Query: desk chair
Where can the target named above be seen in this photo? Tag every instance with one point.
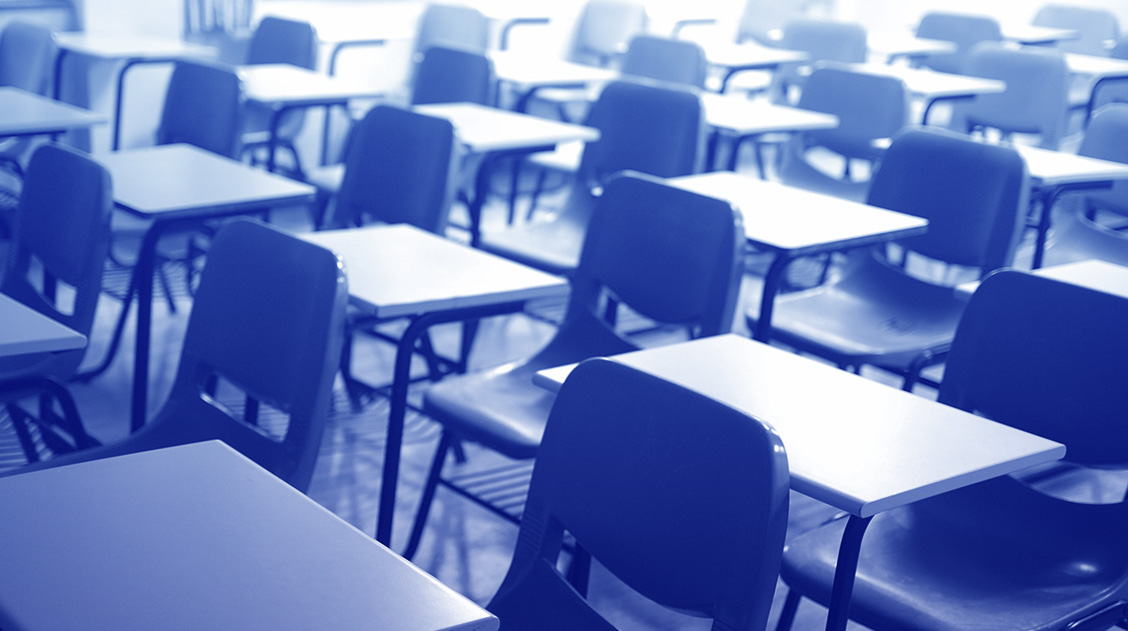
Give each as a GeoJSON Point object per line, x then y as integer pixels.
{"type": "Point", "coordinates": [55, 262]}
{"type": "Point", "coordinates": [604, 29]}
{"type": "Point", "coordinates": [868, 106]}
{"type": "Point", "coordinates": [822, 40]}
{"type": "Point", "coordinates": [964, 30]}
{"type": "Point", "coordinates": [1034, 102]}
{"type": "Point", "coordinates": [278, 41]}
{"type": "Point", "coordinates": [452, 26]}
{"type": "Point", "coordinates": [1097, 29]}
{"type": "Point", "coordinates": [692, 517]}
{"type": "Point", "coordinates": [670, 255]}
{"type": "Point", "coordinates": [266, 321]}
{"type": "Point", "coordinates": [453, 75]}
{"type": "Point", "coordinates": [26, 54]}
{"type": "Point", "coordinates": [1076, 234]}
{"type": "Point", "coordinates": [662, 59]}
{"type": "Point", "coordinates": [876, 312]}
{"type": "Point", "coordinates": [202, 107]}
{"type": "Point", "coordinates": [400, 167]}
{"type": "Point", "coordinates": [1045, 357]}
{"type": "Point", "coordinates": [643, 127]}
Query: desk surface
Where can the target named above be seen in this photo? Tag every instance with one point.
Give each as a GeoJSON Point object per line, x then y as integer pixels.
{"type": "Point", "coordinates": [400, 270]}
{"type": "Point", "coordinates": [27, 331]}
{"type": "Point", "coordinates": [929, 84]}
{"type": "Point", "coordinates": [750, 56]}
{"type": "Point", "coordinates": [185, 180]}
{"type": "Point", "coordinates": [1094, 66]}
{"type": "Point", "coordinates": [526, 72]}
{"type": "Point", "coordinates": [1093, 274]}
{"type": "Point", "coordinates": [1057, 168]}
{"type": "Point", "coordinates": [286, 84]}
{"type": "Point", "coordinates": [858, 445]}
{"type": "Point", "coordinates": [742, 116]}
{"type": "Point", "coordinates": [121, 46]}
{"type": "Point", "coordinates": [489, 129]}
{"type": "Point", "coordinates": [199, 537]}
{"type": "Point", "coordinates": [902, 44]}
{"type": "Point", "coordinates": [1033, 35]}
{"type": "Point", "coordinates": [796, 220]}
{"type": "Point", "coordinates": [24, 113]}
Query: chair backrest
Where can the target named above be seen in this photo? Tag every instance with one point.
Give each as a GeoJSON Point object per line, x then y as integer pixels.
{"type": "Point", "coordinates": [1036, 96]}
{"type": "Point", "coordinates": [453, 75]}
{"type": "Point", "coordinates": [973, 195]}
{"type": "Point", "coordinates": [665, 59]}
{"type": "Point", "coordinates": [604, 28]}
{"type": "Point", "coordinates": [450, 25]}
{"type": "Point", "coordinates": [26, 53]}
{"type": "Point", "coordinates": [643, 127]}
{"type": "Point", "coordinates": [826, 40]}
{"type": "Point", "coordinates": [963, 29]}
{"type": "Point", "coordinates": [1047, 357]}
{"type": "Point", "coordinates": [203, 107]}
{"type": "Point", "coordinates": [763, 20]}
{"type": "Point", "coordinates": [1095, 27]}
{"type": "Point", "coordinates": [680, 496]}
{"type": "Point", "coordinates": [280, 41]}
{"type": "Point", "coordinates": [268, 319]}
{"type": "Point", "coordinates": [1107, 138]}
{"type": "Point", "coordinates": [61, 240]}
{"type": "Point", "coordinates": [868, 106]}
{"type": "Point", "coordinates": [668, 254]}
{"type": "Point", "coordinates": [399, 168]}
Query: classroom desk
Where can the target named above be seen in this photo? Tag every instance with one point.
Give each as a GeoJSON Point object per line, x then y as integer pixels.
{"type": "Point", "coordinates": [26, 331]}
{"type": "Point", "coordinates": [1092, 274]}
{"type": "Point", "coordinates": [528, 73]}
{"type": "Point", "coordinates": [1054, 173]}
{"type": "Point", "coordinates": [1102, 70]}
{"type": "Point", "coordinates": [852, 443]}
{"type": "Point", "coordinates": [743, 119]}
{"type": "Point", "coordinates": [931, 86]}
{"type": "Point", "coordinates": [284, 87]}
{"type": "Point", "coordinates": [131, 50]}
{"type": "Point", "coordinates": [178, 187]}
{"type": "Point", "coordinates": [200, 537]}
{"type": "Point", "coordinates": [793, 222]}
{"type": "Point", "coordinates": [1032, 35]}
{"type": "Point", "coordinates": [494, 134]}
{"type": "Point", "coordinates": [732, 58]}
{"type": "Point", "coordinates": [24, 113]}
{"type": "Point", "coordinates": [401, 271]}
{"type": "Point", "coordinates": [897, 45]}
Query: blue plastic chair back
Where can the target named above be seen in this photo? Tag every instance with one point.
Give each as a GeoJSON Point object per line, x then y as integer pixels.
{"type": "Point", "coordinates": [1095, 27]}
{"type": "Point", "coordinates": [973, 195]}
{"type": "Point", "coordinates": [399, 168]}
{"type": "Point", "coordinates": [1034, 353]}
{"type": "Point", "coordinates": [1036, 95]}
{"type": "Point", "coordinates": [964, 30]}
{"type": "Point", "coordinates": [669, 254]}
{"type": "Point", "coordinates": [663, 59]}
{"type": "Point", "coordinates": [826, 40]}
{"type": "Point", "coordinates": [61, 239]}
{"type": "Point", "coordinates": [453, 26]}
{"type": "Point", "coordinates": [681, 497]}
{"type": "Point", "coordinates": [26, 51]}
{"type": "Point", "coordinates": [604, 29]}
{"type": "Point", "coordinates": [281, 41]}
{"type": "Point", "coordinates": [203, 107]}
{"type": "Point", "coordinates": [452, 75]}
{"type": "Point", "coordinates": [868, 106]}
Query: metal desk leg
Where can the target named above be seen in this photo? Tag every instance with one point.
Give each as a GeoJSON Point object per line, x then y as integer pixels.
{"type": "Point", "coordinates": [772, 282]}
{"type": "Point", "coordinates": [397, 413]}
{"type": "Point", "coordinates": [844, 573]}
{"type": "Point", "coordinates": [143, 271]}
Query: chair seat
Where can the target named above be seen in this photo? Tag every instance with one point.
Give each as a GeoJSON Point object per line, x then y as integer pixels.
{"type": "Point", "coordinates": [874, 315]}
{"type": "Point", "coordinates": [566, 157]}
{"type": "Point", "coordinates": [327, 178]}
{"type": "Point", "coordinates": [799, 173]}
{"type": "Point", "coordinates": [497, 408]}
{"type": "Point", "coordinates": [552, 246]}
{"type": "Point", "coordinates": [949, 563]}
